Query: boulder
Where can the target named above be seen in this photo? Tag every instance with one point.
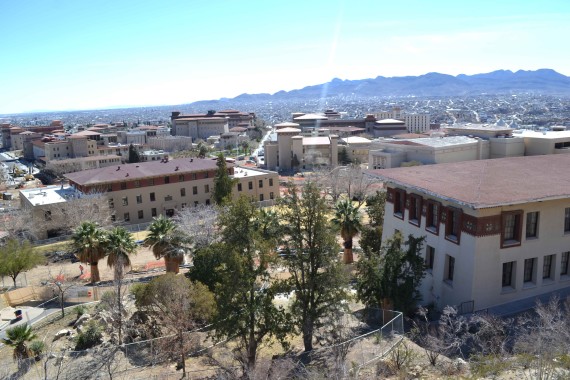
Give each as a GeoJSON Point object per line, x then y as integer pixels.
{"type": "Point", "coordinates": [81, 320]}
{"type": "Point", "coordinates": [61, 333]}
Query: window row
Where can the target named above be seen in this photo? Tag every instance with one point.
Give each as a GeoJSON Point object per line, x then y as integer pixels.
{"type": "Point", "coordinates": [166, 180]}
{"type": "Point", "coordinates": [531, 271]}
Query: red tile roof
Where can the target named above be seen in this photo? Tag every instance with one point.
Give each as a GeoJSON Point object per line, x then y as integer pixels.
{"type": "Point", "coordinates": [488, 183]}
{"type": "Point", "coordinates": [141, 170]}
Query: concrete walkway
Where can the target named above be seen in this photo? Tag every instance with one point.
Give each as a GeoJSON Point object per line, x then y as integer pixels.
{"type": "Point", "coordinates": [526, 304]}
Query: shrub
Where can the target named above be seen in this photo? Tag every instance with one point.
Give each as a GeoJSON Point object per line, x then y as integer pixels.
{"type": "Point", "coordinates": [80, 310]}
{"type": "Point", "coordinates": [37, 348]}
{"type": "Point", "coordinates": [92, 336]}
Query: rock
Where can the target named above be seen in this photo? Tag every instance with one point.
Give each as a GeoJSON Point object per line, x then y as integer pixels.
{"type": "Point", "coordinates": [81, 320]}
{"type": "Point", "coordinates": [460, 363]}
{"type": "Point", "coordinates": [61, 333]}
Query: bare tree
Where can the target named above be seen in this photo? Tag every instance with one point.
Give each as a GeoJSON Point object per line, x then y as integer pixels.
{"type": "Point", "coordinates": [338, 328]}
{"type": "Point", "coordinates": [18, 222]}
{"type": "Point", "coordinates": [200, 223]}
{"type": "Point", "coordinates": [350, 181]}
{"type": "Point", "coordinates": [61, 285]}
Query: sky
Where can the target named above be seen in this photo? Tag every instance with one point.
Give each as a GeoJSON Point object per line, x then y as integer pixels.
{"type": "Point", "coordinates": [82, 54]}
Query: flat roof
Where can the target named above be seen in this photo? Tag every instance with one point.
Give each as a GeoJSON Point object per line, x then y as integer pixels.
{"type": "Point", "coordinates": [479, 127]}
{"type": "Point", "coordinates": [240, 172]}
{"type": "Point", "coordinates": [390, 121]}
{"type": "Point", "coordinates": [311, 116]}
{"type": "Point", "coordinates": [437, 142]}
{"type": "Point", "coordinates": [356, 140]}
{"type": "Point", "coordinates": [548, 135]}
{"type": "Point", "coordinates": [316, 140]}
{"type": "Point", "coordinates": [129, 172]}
{"type": "Point", "coordinates": [42, 196]}
{"type": "Point", "coordinates": [488, 183]}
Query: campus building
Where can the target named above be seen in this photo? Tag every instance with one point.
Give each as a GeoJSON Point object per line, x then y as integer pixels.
{"type": "Point", "coordinates": [139, 192]}
{"type": "Point", "coordinates": [414, 122]}
{"type": "Point", "coordinates": [213, 123]}
{"type": "Point", "coordinates": [497, 231]}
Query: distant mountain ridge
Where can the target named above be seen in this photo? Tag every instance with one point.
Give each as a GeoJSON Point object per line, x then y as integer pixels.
{"type": "Point", "coordinates": [544, 81]}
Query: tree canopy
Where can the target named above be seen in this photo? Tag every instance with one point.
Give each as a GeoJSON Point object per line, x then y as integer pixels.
{"type": "Point", "coordinates": [223, 184]}
{"type": "Point", "coordinates": [134, 155]}
{"type": "Point", "coordinates": [17, 257]}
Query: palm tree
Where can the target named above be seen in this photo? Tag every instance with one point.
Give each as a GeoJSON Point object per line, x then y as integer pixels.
{"type": "Point", "coordinates": [88, 240]}
{"type": "Point", "coordinates": [17, 337]}
{"type": "Point", "coordinates": [167, 241]}
{"type": "Point", "coordinates": [119, 245]}
{"type": "Point", "coordinates": [347, 218]}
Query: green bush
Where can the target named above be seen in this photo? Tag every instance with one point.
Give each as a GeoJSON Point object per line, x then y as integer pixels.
{"type": "Point", "coordinates": [92, 336]}
{"type": "Point", "coordinates": [488, 365]}
{"type": "Point", "coordinates": [37, 348]}
{"type": "Point", "coordinates": [108, 301]}
{"type": "Point", "coordinates": [80, 310]}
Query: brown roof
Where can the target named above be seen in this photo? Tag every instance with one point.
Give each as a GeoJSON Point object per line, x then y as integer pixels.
{"type": "Point", "coordinates": [488, 183]}
{"type": "Point", "coordinates": [141, 170]}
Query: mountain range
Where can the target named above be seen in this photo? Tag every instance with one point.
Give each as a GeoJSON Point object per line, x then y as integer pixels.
{"type": "Point", "coordinates": [543, 81]}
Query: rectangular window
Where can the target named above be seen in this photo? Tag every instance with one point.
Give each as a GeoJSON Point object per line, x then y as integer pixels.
{"type": "Point", "coordinates": [195, 203]}
{"type": "Point", "coordinates": [261, 197]}
{"type": "Point", "coordinates": [141, 214]}
{"type": "Point", "coordinates": [183, 192]}
{"type": "Point", "coordinates": [564, 263]}
{"type": "Point", "coordinates": [430, 257]}
{"type": "Point", "coordinates": [547, 266]}
{"type": "Point", "coordinates": [415, 209]}
{"type": "Point", "coordinates": [139, 199]}
{"type": "Point", "coordinates": [168, 198]}
{"type": "Point", "coordinates": [109, 187]}
{"type": "Point", "coordinates": [111, 203]}
{"type": "Point", "coordinates": [450, 268]}
{"type": "Point", "coordinates": [239, 187]}
{"type": "Point", "coordinates": [126, 217]}
{"type": "Point", "coordinates": [508, 274]}
{"type": "Point", "coordinates": [113, 218]}
{"type": "Point", "coordinates": [399, 203]}
{"type": "Point", "coordinates": [432, 216]}
{"type": "Point", "coordinates": [206, 188]}
{"type": "Point", "coordinates": [180, 177]}
{"type": "Point", "coordinates": [137, 183]}
{"type": "Point", "coordinates": [151, 181]}
{"type": "Point", "coordinates": [152, 197]}
{"type": "Point", "coordinates": [453, 224]}
{"type": "Point", "coordinates": [166, 179]}
{"type": "Point", "coordinates": [511, 228]}
{"type": "Point", "coordinates": [271, 195]}
{"type": "Point", "coordinates": [183, 206]}
{"type": "Point", "coordinates": [250, 185]}
{"type": "Point", "coordinates": [123, 185]}
{"type": "Point", "coordinates": [153, 212]}
{"type": "Point", "coordinates": [270, 181]}
{"type": "Point", "coordinates": [207, 202]}
{"type": "Point", "coordinates": [532, 224]}
{"type": "Point", "coordinates": [260, 183]}
{"type": "Point", "coordinates": [567, 219]}
{"type": "Point", "coordinates": [194, 190]}
{"type": "Point", "coordinates": [206, 175]}
{"type": "Point", "coordinates": [125, 201]}
{"type": "Point", "coordinates": [193, 175]}
{"type": "Point", "coordinates": [528, 270]}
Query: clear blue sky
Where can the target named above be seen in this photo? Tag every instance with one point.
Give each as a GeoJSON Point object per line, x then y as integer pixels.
{"type": "Point", "coordinates": [81, 54]}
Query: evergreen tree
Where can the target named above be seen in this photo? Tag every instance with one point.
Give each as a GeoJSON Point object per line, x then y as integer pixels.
{"type": "Point", "coordinates": [343, 158]}
{"type": "Point", "coordinates": [17, 257]}
{"type": "Point", "coordinates": [134, 155]}
{"type": "Point", "coordinates": [347, 219]}
{"type": "Point", "coordinates": [375, 205]}
{"type": "Point", "coordinates": [312, 259]}
{"type": "Point", "coordinates": [223, 184]}
{"type": "Point", "coordinates": [389, 276]}
{"type": "Point", "coordinates": [246, 291]}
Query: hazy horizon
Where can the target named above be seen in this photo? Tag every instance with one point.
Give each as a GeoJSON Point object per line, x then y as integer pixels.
{"type": "Point", "coordinates": [67, 55]}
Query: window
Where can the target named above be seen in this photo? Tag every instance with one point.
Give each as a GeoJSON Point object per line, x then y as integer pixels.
{"type": "Point", "coordinates": [260, 185]}
{"type": "Point", "coordinates": [528, 270]}
{"type": "Point", "coordinates": [511, 229]}
{"type": "Point", "coordinates": [415, 209]}
{"type": "Point", "coordinates": [183, 192]}
{"type": "Point", "coordinates": [449, 268]}
{"type": "Point", "coordinates": [183, 206]}
{"type": "Point", "coordinates": [125, 201]}
{"type": "Point", "coordinates": [508, 273]}
{"type": "Point", "coordinates": [137, 183]}
{"type": "Point", "coordinates": [180, 177]}
{"type": "Point", "coordinates": [206, 188]}
{"type": "Point", "coordinates": [151, 181]}
{"type": "Point", "coordinates": [166, 179]}
{"type": "Point", "coordinates": [126, 217]}
{"type": "Point", "coordinates": [109, 187]}
{"type": "Point", "coordinates": [261, 197]}
{"type": "Point", "coordinates": [271, 195]}
{"type": "Point", "coordinates": [168, 198]}
{"type": "Point", "coordinates": [195, 203]}
{"type": "Point", "coordinates": [270, 181]}
{"type": "Point", "coordinates": [141, 214]}
{"type": "Point", "coordinates": [430, 257]}
{"type": "Point", "coordinates": [532, 224]}
{"type": "Point", "coordinates": [399, 203]}
{"type": "Point", "coordinates": [193, 175]}
{"type": "Point", "coordinates": [152, 197]}
{"type": "Point", "coordinates": [239, 187]}
{"type": "Point", "coordinates": [432, 216]}
{"type": "Point", "coordinates": [567, 219]}
{"type": "Point", "coordinates": [206, 175]}
{"type": "Point", "coordinates": [250, 185]}
{"type": "Point", "coordinates": [139, 199]}
{"type": "Point", "coordinates": [207, 202]}
{"type": "Point", "coordinates": [123, 185]}
{"type": "Point", "coordinates": [153, 212]}
{"type": "Point", "coordinates": [453, 224]}
{"type": "Point", "coordinates": [111, 203]}
{"type": "Point", "coordinates": [47, 215]}
{"type": "Point", "coordinates": [564, 263]}
{"type": "Point", "coordinates": [113, 218]}
{"type": "Point", "coordinates": [547, 266]}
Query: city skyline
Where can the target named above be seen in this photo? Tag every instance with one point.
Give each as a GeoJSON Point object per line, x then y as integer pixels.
{"type": "Point", "coordinates": [64, 55]}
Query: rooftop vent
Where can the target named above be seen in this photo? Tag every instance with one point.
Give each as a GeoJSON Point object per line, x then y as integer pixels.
{"type": "Point", "coordinates": [191, 160]}
{"type": "Point", "coordinates": [127, 175]}
{"type": "Point", "coordinates": [176, 169]}
{"type": "Point", "coordinates": [118, 168]}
